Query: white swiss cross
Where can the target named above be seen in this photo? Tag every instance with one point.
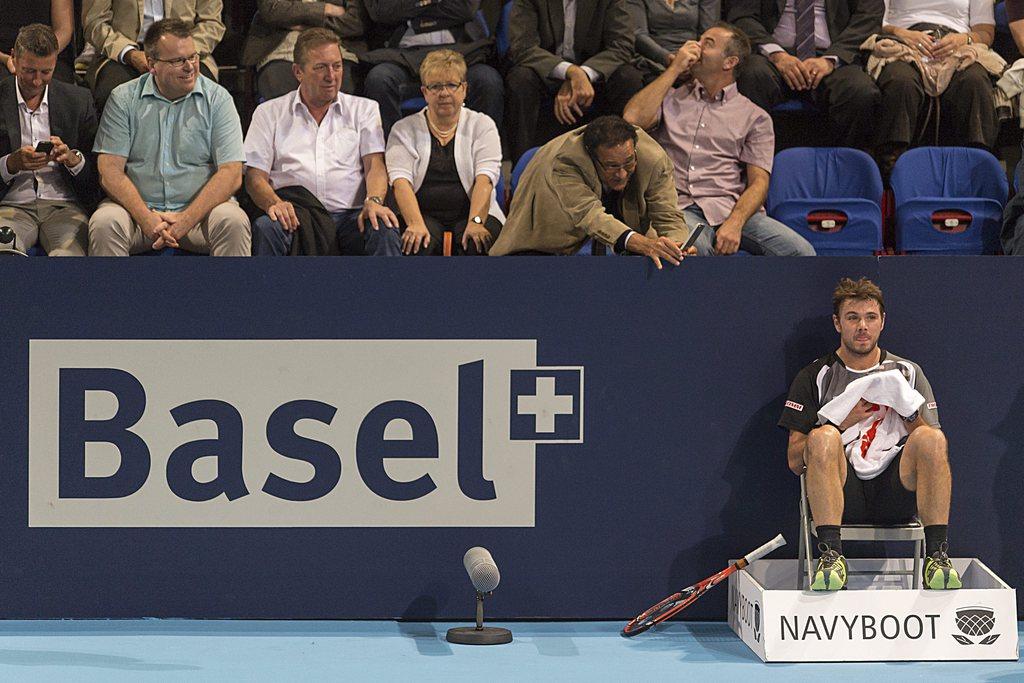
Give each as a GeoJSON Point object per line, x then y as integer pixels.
{"type": "Point", "coordinates": [545, 405]}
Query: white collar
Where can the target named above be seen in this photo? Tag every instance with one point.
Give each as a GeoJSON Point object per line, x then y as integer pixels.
{"type": "Point", "coordinates": [21, 100]}
{"type": "Point", "coordinates": [297, 102]}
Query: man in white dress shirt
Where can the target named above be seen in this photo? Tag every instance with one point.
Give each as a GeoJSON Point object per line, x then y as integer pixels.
{"type": "Point", "coordinates": [45, 195]}
{"type": "Point", "coordinates": [329, 143]}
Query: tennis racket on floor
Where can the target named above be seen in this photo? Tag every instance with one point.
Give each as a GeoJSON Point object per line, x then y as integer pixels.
{"type": "Point", "coordinates": [677, 602]}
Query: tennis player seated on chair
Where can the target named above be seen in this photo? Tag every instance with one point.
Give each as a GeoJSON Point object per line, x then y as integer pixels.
{"type": "Point", "coordinates": [864, 428]}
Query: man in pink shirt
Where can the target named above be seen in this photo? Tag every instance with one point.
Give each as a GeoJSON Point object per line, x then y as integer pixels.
{"type": "Point", "coordinates": [721, 145]}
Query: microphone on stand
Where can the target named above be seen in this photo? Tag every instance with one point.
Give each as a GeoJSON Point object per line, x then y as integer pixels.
{"type": "Point", "coordinates": [484, 575]}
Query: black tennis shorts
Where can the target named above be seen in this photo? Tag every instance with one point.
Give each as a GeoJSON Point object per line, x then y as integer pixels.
{"type": "Point", "coordinates": [882, 500]}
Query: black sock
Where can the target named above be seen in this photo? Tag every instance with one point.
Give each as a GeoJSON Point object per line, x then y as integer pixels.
{"type": "Point", "coordinates": [934, 537]}
{"type": "Point", "coordinates": [828, 535]}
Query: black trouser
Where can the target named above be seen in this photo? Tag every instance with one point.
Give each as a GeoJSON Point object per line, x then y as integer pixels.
{"type": "Point", "coordinates": [276, 78]}
{"type": "Point", "coordinates": [113, 74]}
{"type": "Point", "coordinates": [437, 228]}
{"type": "Point", "coordinates": [529, 104]}
{"type": "Point", "coordinates": [848, 95]}
{"type": "Point", "coordinates": [966, 109]}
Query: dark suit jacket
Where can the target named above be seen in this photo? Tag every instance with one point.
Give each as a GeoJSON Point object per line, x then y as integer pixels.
{"type": "Point", "coordinates": [390, 19]}
{"type": "Point", "coordinates": [274, 19]}
{"type": "Point", "coordinates": [72, 119]}
{"type": "Point", "coordinates": [850, 22]}
{"type": "Point", "coordinates": [603, 39]}
{"type": "Point", "coordinates": [317, 235]}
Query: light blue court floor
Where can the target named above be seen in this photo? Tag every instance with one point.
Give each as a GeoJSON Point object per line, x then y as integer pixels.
{"type": "Point", "coordinates": [345, 650]}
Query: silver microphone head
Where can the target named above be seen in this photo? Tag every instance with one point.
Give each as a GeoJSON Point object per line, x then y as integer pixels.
{"type": "Point", "coordinates": [482, 570]}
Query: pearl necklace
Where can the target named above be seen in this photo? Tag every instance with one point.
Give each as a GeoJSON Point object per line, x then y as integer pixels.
{"type": "Point", "coordinates": [442, 133]}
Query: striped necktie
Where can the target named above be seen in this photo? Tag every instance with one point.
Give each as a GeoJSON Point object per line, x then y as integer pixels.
{"type": "Point", "coordinates": [804, 38]}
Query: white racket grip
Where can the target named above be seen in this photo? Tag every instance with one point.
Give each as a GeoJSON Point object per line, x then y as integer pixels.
{"type": "Point", "coordinates": [768, 547]}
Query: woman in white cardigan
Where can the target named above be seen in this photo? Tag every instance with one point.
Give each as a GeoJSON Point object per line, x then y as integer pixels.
{"type": "Point", "coordinates": [443, 163]}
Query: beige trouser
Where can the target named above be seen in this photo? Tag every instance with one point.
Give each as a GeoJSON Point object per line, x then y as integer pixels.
{"type": "Point", "coordinates": [59, 227]}
{"type": "Point", "coordinates": [224, 232]}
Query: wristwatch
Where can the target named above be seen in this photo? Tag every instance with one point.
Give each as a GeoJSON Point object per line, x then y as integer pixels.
{"type": "Point", "coordinates": [77, 154]}
{"type": "Point", "coordinates": [477, 220]}
{"type": "Point", "coordinates": [376, 200]}
{"type": "Point", "coordinates": [970, 38]}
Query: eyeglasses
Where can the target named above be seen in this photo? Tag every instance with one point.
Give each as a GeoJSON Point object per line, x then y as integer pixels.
{"type": "Point", "coordinates": [178, 62]}
{"type": "Point", "coordinates": [436, 88]}
{"type": "Point", "coordinates": [629, 166]}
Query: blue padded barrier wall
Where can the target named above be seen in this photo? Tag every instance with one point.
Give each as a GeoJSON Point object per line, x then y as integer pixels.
{"type": "Point", "coordinates": [680, 467]}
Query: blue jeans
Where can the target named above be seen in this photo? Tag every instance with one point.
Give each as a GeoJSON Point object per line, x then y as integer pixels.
{"type": "Point", "coordinates": [761, 236]}
{"type": "Point", "coordinates": [269, 238]}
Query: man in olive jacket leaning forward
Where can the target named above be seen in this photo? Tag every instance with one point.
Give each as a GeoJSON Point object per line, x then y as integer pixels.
{"type": "Point", "coordinates": [609, 181]}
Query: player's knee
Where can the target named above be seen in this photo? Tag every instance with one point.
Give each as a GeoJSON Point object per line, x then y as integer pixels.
{"type": "Point", "coordinates": [823, 443]}
{"type": "Point", "coordinates": [929, 444]}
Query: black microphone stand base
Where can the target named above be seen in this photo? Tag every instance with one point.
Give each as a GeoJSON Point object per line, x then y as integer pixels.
{"type": "Point", "coordinates": [485, 635]}
{"type": "Point", "coordinates": [479, 634]}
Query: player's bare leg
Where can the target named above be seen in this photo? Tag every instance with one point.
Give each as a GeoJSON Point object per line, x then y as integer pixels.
{"type": "Point", "coordinates": [924, 469]}
{"type": "Point", "coordinates": [826, 475]}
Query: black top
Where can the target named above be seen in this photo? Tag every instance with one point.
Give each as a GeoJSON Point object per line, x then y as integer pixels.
{"type": "Point", "coordinates": [19, 13]}
{"type": "Point", "coordinates": [441, 195]}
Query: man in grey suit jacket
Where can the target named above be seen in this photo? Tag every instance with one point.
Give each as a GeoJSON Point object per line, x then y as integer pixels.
{"type": "Point", "coordinates": [45, 196]}
{"type": "Point", "coordinates": [572, 56]}
{"type": "Point", "coordinates": [826, 65]}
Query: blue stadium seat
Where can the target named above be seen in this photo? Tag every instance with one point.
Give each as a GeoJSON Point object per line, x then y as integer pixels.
{"type": "Point", "coordinates": [501, 39]}
{"type": "Point", "coordinates": [499, 192]}
{"type": "Point", "coordinates": [166, 251]}
{"type": "Point", "coordinates": [795, 105]}
{"type": "Point", "coordinates": [1002, 23]}
{"type": "Point", "coordinates": [517, 171]}
{"type": "Point", "coordinates": [412, 105]}
{"type": "Point", "coordinates": [831, 196]}
{"type": "Point", "coordinates": [415, 104]}
{"type": "Point", "coordinates": [949, 200]}
{"type": "Point", "coordinates": [594, 248]}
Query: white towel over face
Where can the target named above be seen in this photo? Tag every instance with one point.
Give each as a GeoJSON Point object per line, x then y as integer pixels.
{"type": "Point", "coordinates": [873, 443]}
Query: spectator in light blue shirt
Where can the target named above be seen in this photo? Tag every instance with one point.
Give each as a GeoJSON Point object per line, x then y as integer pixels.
{"type": "Point", "coordinates": [170, 158]}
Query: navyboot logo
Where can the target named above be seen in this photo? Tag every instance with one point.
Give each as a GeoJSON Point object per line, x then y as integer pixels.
{"type": "Point", "coordinates": [973, 622]}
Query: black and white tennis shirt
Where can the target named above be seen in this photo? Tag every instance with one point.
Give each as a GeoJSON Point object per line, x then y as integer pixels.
{"type": "Point", "coordinates": [827, 377]}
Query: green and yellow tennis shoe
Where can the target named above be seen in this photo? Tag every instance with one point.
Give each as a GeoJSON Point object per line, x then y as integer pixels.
{"type": "Point", "coordinates": [939, 573]}
{"type": "Point", "coordinates": [831, 572]}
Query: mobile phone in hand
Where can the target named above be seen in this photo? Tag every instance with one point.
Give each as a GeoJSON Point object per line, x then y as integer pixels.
{"type": "Point", "coordinates": [694, 234]}
{"type": "Point", "coordinates": [44, 147]}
